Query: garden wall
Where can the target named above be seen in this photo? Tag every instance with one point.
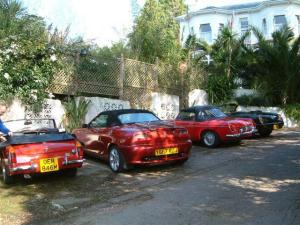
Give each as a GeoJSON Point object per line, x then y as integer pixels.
{"type": "Point", "coordinates": [164, 105]}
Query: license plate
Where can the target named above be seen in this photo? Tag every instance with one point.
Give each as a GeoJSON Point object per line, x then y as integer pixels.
{"type": "Point", "coordinates": [166, 151]}
{"type": "Point", "coordinates": [275, 127]}
{"type": "Point", "coordinates": [49, 165]}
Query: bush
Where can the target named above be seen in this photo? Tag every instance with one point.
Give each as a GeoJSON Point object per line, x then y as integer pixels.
{"type": "Point", "coordinates": [252, 100]}
{"type": "Point", "coordinates": [293, 111]}
{"type": "Point", "coordinates": [75, 113]}
{"type": "Point", "coordinates": [219, 88]}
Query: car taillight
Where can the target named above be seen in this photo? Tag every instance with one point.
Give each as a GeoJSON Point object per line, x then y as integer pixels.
{"type": "Point", "coordinates": [79, 149]}
{"type": "Point", "coordinates": [181, 132]}
{"type": "Point", "coordinates": [12, 158]}
{"type": "Point", "coordinates": [140, 136]}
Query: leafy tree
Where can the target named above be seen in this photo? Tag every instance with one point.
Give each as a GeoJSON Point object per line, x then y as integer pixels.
{"type": "Point", "coordinates": [27, 60]}
{"type": "Point", "coordinates": [277, 66]}
{"type": "Point", "coordinates": [115, 51]}
{"type": "Point", "coordinates": [223, 68]}
{"type": "Point", "coordinates": [155, 34]}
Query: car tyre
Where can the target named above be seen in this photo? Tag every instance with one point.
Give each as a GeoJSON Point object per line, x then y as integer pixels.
{"type": "Point", "coordinates": [265, 132]}
{"type": "Point", "coordinates": [210, 139]}
{"type": "Point", "coordinates": [7, 179]}
{"type": "Point", "coordinates": [116, 160]}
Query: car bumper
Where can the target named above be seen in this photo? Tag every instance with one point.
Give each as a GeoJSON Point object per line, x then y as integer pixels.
{"type": "Point", "coordinates": [241, 135]}
{"type": "Point", "coordinates": [273, 126]}
{"type": "Point", "coordinates": [145, 155]}
{"type": "Point", "coordinates": [34, 167]}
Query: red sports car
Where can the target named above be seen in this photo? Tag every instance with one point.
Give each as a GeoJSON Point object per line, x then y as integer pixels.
{"type": "Point", "coordinates": [133, 137]}
{"type": "Point", "coordinates": [37, 146]}
{"type": "Point", "coordinates": [211, 126]}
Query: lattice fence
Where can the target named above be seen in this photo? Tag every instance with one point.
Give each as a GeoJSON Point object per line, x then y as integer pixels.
{"type": "Point", "coordinates": [125, 79]}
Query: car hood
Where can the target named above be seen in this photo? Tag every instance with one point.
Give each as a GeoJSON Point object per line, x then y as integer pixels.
{"type": "Point", "coordinates": [230, 120]}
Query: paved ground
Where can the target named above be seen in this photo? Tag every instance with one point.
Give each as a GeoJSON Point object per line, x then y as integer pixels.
{"type": "Point", "coordinates": [257, 182]}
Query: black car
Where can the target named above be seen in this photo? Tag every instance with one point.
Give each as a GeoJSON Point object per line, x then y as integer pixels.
{"type": "Point", "coordinates": [266, 122]}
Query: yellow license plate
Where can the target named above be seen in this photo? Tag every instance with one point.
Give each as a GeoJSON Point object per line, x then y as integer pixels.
{"type": "Point", "coordinates": [49, 165]}
{"type": "Point", "coordinates": [275, 127]}
{"type": "Point", "coordinates": [166, 151]}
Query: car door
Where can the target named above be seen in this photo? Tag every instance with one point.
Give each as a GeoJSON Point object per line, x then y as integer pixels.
{"type": "Point", "coordinates": [201, 123]}
{"type": "Point", "coordinates": [92, 135]}
{"type": "Point", "coordinates": [187, 119]}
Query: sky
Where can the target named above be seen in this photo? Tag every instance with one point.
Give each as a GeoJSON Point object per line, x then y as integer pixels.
{"type": "Point", "coordinates": [101, 21]}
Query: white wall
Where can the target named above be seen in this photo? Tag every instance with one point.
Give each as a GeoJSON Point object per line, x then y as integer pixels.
{"type": "Point", "coordinates": [241, 92]}
{"type": "Point", "coordinates": [198, 97]}
{"type": "Point", "coordinates": [165, 106]}
{"type": "Point", "coordinates": [52, 109]}
{"type": "Point", "coordinates": [98, 105]}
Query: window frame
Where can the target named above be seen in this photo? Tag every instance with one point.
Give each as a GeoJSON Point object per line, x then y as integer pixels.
{"type": "Point", "coordinates": [94, 120]}
{"type": "Point", "coordinates": [206, 35]}
{"type": "Point", "coordinates": [278, 26]}
{"type": "Point", "coordinates": [264, 26]}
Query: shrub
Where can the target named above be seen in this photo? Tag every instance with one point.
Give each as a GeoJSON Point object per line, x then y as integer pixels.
{"type": "Point", "coordinates": [251, 100]}
{"type": "Point", "coordinates": [75, 113]}
{"type": "Point", "coordinates": [219, 88]}
{"type": "Point", "coordinates": [293, 111]}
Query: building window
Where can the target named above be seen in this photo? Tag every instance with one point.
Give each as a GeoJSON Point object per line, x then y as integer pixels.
{"type": "Point", "coordinates": [244, 25]}
{"type": "Point", "coordinates": [221, 26]}
{"type": "Point", "coordinates": [205, 32]}
{"type": "Point", "coordinates": [192, 31]}
{"type": "Point", "coordinates": [279, 22]}
{"type": "Point", "coordinates": [264, 27]}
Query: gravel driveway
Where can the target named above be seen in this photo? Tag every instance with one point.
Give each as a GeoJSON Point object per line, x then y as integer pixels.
{"type": "Point", "coordinates": [256, 182]}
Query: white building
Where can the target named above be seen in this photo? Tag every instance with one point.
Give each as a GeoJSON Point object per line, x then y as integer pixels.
{"type": "Point", "coordinates": [267, 16]}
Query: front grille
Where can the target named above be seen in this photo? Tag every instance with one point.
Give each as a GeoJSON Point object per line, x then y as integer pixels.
{"type": "Point", "coordinates": [246, 129]}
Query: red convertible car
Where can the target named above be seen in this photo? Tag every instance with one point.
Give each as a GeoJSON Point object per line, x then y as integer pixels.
{"type": "Point", "coordinates": [211, 126]}
{"type": "Point", "coordinates": [133, 137]}
{"type": "Point", "coordinates": [37, 146]}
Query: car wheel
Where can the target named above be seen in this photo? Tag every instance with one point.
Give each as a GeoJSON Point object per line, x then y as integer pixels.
{"type": "Point", "coordinates": [210, 139]}
{"type": "Point", "coordinates": [7, 179]}
{"type": "Point", "coordinates": [116, 160]}
{"type": "Point", "coordinates": [70, 172]}
{"type": "Point", "coordinates": [265, 132]}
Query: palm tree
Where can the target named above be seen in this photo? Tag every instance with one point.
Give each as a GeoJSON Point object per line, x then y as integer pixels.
{"type": "Point", "coordinates": [277, 64]}
{"type": "Point", "coordinates": [10, 12]}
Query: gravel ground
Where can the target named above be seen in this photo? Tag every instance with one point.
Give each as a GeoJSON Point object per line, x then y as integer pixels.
{"type": "Point", "coordinates": [256, 182]}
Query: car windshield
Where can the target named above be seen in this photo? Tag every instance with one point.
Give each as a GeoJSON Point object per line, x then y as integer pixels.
{"type": "Point", "coordinates": [215, 112]}
{"type": "Point", "coordinates": [137, 118]}
{"type": "Point", "coordinates": [29, 125]}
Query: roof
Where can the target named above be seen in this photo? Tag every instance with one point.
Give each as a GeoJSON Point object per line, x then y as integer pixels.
{"type": "Point", "coordinates": [238, 8]}
{"type": "Point", "coordinates": [241, 6]}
